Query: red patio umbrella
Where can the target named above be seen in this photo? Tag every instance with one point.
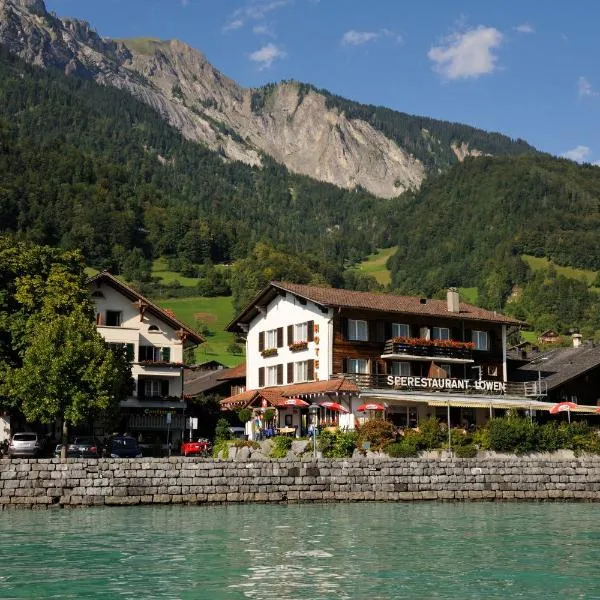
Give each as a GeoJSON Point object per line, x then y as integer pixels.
{"type": "Point", "coordinates": [295, 402]}
{"type": "Point", "coordinates": [563, 407]}
{"type": "Point", "coordinates": [334, 406]}
{"type": "Point", "coordinates": [371, 406]}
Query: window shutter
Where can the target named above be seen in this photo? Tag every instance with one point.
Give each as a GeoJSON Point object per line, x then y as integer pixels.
{"type": "Point", "coordinates": [261, 341]}
{"type": "Point", "coordinates": [344, 324]}
{"type": "Point", "coordinates": [387, 331]}
{"type": "Point", "coordinates": [290, 372]}
{"type": "Point", "coordinates": [344, 365]}
{"type": "Point", "coordinates": [280, 337]}
{"type": "Point", "coordinates": [280, 370]}
{"type": "Point", "coordinates": [164, 388]}
{"type": "Point", "coordinates": [141, 389]}
{"type": "Point", "coordinates": [372, 331]}
{"type": "Point", "coordinates": [455, 333]}
{"type": "Point", "coordinates": [311, 331]}
{"type": "Point", "coordinates": [130, 352]}
{"type": "Point", "coordinates": [290, 334]}
{"type": "Point", "coordinates": [469, 335]}
{"type": "Point", "coordinates": [311, 370]}
{"type": "Point", "coordinates": [261, 377]}
{"type": "Point", "coordinates": [166, 354]}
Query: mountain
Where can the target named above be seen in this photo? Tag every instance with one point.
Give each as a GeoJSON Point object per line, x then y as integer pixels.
{"type": "Point", "coordinates": [310, 131]}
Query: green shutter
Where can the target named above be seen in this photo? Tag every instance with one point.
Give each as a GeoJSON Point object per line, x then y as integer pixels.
{"type": "Point", "coordinates": [130, 352]}
{"type": "Point", "coordinates": [166, 354]}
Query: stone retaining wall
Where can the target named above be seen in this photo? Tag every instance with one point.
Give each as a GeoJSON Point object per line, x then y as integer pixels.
{"type": "Point", "coordinates": [42, 483]}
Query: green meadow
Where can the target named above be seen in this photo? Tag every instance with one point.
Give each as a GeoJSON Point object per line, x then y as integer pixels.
{"type": "Point", "coordinates": [374, 265]}
{"type": "Point", "coordinates": [537, 264]}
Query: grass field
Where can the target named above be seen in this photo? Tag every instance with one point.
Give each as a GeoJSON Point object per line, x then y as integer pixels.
{"type": "Point", "coordinates": [375, 265]}
{"type": "Point", "coordinates": [536, 264]}
{"type": "Point", "coordinates": [161, 271]}
{"type": "Point", "coordinates": [216, 313]}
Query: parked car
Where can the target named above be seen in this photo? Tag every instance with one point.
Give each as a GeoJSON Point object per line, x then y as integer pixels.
{"type": "Point", "coordinates": [81, 447]}
{"type": "Point", "coordinates": [238, 433]}
{"type": "Point", "coordinates": [199, 448]}
{"type": "Point", "coordinates": [25, 445]}
{"type": "Point", "coordinates": [122, 446]}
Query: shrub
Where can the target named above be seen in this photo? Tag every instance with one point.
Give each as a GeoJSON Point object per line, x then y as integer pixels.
{"type": "Point", "coordinates": [269, 415]}
{"type": "Point", "coordinates": [337, 444]}
{"type": "Point", "coordinates": [244, 415]}
{"type": "Point", "coordinates": [281, 446]}
{"type": "Point", "coordinates": [551, 437]}
{"type": "Point", "coordinates": [513, 435]}
{"type": "Point", "coordinates": [466, 451]}
{"type": "Point", "coordinates": [377, 433]}
{"type": "Point", "coordinates": [245, 444]}
{"type": "Point", "coordinates": [222, 432]}
{"type": "Point", "coordinates": [405, 448]}
{"type": "Point", "coordinates": [221, 446]}
{"type": "Point", "coordinates": [481, 438]}
{"type": "Point", "coordinates": [431, 434]}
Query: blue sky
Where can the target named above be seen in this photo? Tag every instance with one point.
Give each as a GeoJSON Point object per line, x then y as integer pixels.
{"type": "Point", "coordinates": [525, 68]}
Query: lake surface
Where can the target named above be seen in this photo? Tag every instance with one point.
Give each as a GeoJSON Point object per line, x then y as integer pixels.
{"type": "Point", "coordinates": [358, 551]}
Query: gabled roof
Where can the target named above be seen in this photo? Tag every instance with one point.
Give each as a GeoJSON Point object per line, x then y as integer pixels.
{"type": "Point", "coordinates": [557, 367]}
{"type": "Point", "coordinates": [238, 372]}
{"type": "Point", "coordinates": [276, 396]}
{"type": "Point", "coordinates": [159, 313]}
{"type": "Point", "coordinates": [349, 299]}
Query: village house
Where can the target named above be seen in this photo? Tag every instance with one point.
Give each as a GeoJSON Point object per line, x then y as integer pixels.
{"type": "Point", "coordinates": [410, 357]}
{"type": "Point", "coordinates": [154, 341]}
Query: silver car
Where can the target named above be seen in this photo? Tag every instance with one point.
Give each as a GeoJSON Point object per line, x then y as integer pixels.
{"type": "Point", "coordinates": [25, 445]}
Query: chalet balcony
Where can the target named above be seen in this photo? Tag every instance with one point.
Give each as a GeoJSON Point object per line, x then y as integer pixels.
{"type": "Point", "coordinates": [417, 384]}
{"type": "Point", "coordinates": [418, 349]}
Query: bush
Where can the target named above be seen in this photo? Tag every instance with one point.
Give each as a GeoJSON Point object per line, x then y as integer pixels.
{"type": "Point", "coordinates": [245, 444]}
{"type": "Point", "coordinates": [466, 451]}
{"type": "Point", "coordinates": [481, 438]}
{"type": "Point", "coordinates": [431, 435]}
{"type": "Point", "coordinates": [337, 444]}
{"type": "Point", "coordinates": [244, 415]}
{"type": "Point", "coordinates": [281, 446]}
{"type": "Point", "coordinates": [377, 433]}
{"type": "Point", "coordinates": [235, 349]}
{"type": "Point", "coordinates": [405, 448]}
{"type": "Point", "coordinates": [221, 446]}
{"type": "Point", "coordinates": [513, 435]}
{"type": "Point", "coordinates": [222, 432]}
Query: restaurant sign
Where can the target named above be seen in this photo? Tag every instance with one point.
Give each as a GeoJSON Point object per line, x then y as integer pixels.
{"type": "Point", "coordinates": [429, 383]}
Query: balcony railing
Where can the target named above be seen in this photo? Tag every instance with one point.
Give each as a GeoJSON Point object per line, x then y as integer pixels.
{"type": "Point", "coordinates": [529, 389]}
{"type": "Point", "coordinates": [420, 349]}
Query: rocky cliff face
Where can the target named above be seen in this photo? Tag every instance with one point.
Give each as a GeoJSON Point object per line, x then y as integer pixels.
{"type": "Point", "coordinates": [295, 128]}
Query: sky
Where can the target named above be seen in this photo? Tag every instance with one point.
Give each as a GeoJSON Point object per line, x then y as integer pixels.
{"type": "Point", "coordinates": [527, 68]}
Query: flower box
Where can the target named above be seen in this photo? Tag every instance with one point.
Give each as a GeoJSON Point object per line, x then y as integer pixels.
{"type": "Point", "coordinates": [298, 346]}
{"type": "Point", "coordinates": [269, 352]}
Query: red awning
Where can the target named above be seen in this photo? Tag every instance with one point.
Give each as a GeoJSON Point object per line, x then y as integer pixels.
{"type": "Point", "coordinates": [334, 406]}
{"type": "Point", "coordinates": [371, 406]}
{"type": "Point", "coordinates": [294, 402]}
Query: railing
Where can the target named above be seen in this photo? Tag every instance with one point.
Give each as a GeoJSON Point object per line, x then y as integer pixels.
{"type": "Point", "coordinates": [429, 348]}
{"type": "Point", "coordinates": [450, 386]}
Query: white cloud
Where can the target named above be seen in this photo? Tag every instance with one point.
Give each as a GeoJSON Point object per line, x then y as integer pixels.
{"type": "Point", "coordinates": [258, 10]}
{"type": "Point", "coordinates": [263, 30]}
{"type": "Point", "coordinates": [578, 154]}
{"type": "Point", "coordinates": [266, 55]}
{"type": "Point", "coordinates": [468, 54]}
{"type": "Point", "coordinates": [358, 38]}
{"type": "Point", "coordinates": [234, 24]}
{"type": "Point", "coordinates": [584, 88]}
{"type": "Point", "coordinates": [524, 28]}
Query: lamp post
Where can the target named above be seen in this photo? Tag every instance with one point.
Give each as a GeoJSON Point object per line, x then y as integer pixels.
{"type": "Point", "coordinates": [313, 411]}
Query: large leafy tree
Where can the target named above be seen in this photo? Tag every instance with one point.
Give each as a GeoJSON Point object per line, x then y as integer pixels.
{"type": "Point", "coordinates": [53, 362]}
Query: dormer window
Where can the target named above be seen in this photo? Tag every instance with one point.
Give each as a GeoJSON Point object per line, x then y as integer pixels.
{"type": "Point", "coordinates": [154, 328]}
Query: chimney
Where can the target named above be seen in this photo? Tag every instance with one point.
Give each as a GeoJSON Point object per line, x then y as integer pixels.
{"type": "Point", "coordinates": [576, 337]}
{"type": "Point", "coordinates": [452, 297]}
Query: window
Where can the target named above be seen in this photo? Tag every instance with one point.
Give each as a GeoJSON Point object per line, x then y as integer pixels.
{"type": "Point", "coordinates": [358, 330]}
{"type": "Point", "coordinates": [400, 367]}
{"type": "Point", "coordinates": [358, 365]}
{"type": "Point", "coordinates": [301, 371]}
{"type": "Point", "coordinates": [97, 294]}
{"type": "Point", "coordinates": [481, 340]}
{"type": "Point", "coordinates": [155, 388]}
{"type": "Point", "coordinates": [448, 369]}
{"type": "Point", "coordinates": [271, 375]}
{"type": "Point", "coordinates": [118, 348]}
{"type": "Point", "coordinates": [301, 332]}
{"type": "Point", "coordinates": [113, 318]}
{"type": "Point", "coordinates": [440, 333]}
{"type": "Point", "coordinates": [271, 338]}
{"type": "Point", "coordinates": [153, 328]}
{"type": "Point", "coordinates": [400, 330]}
{"type": "Point", "coordinates": [151, 353]}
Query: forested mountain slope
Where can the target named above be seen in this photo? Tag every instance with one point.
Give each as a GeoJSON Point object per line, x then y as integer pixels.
{"type": "Point", "coordinates": [310, 131]}
{"type": "Point", "coordinates": [89, 166]}
{"type": "Point", "coordinates": [469, 226]}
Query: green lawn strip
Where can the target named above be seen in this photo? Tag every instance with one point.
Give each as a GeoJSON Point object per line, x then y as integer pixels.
{"type": "Point", "coordinates": [161, 271]}
{"type": "Point", "coordinates": [537, 263]}
{"type": "Point", "coordinates": [216, 313]}
{"type": "Point", "coordinates": [375, 265]}
{"type": "Point", "coordinates": [469, 294]}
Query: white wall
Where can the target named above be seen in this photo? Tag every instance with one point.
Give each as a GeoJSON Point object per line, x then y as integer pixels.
{"type": "Point", "coordinates": [281, 312]}
{"type": "Point", "coordinates": [135, 331]}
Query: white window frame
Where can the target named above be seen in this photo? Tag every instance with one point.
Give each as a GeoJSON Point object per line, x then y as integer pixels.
{"type": "Point", "coordinates": [271, 375]}
{"type": "Point", "coordinates": [400, 330]}
{"type": "Point", "coordinates": [440, 333]}
{"type": "Point", "coordinates": [401, 368]}
{"type": "Point", "coordinates": [301, 332]}
{"type": "Point", "coordinates": [271, 338]}
{"type": "Point", "coordinates": [358, 330]}
{"type": "Point", "coordinates": [481, 339]}
{"type": "Point", "coordinates": [301, 371]}
{"type": "Point", "coordinates": [358, 365]}
{"type": "Point", "coordinates": [153, 388]}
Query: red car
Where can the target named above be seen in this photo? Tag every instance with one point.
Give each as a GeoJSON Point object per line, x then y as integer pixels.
{"type": "Point", "coordinates": [199, 448]}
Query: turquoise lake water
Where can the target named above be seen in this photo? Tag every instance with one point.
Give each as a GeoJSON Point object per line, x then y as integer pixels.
{"type": "Point", "coordinates": [371, 551]}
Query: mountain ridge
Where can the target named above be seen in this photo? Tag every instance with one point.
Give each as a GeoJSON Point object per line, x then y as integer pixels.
{"type": "Point", "coordinates": [310, 131]}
